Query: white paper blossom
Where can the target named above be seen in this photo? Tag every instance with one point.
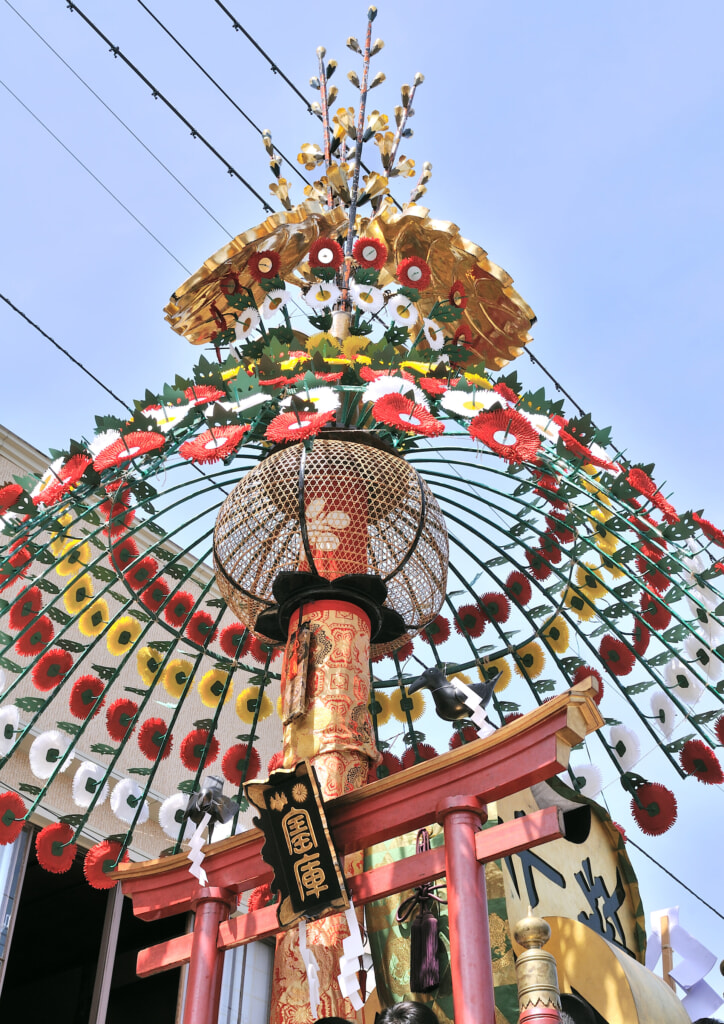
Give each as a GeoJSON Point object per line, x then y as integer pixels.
{"type": "Point", "coordinates": [705, 661]}
{"type": "Point", "coordinates": [246, 322]}
{"type": "Point", "coordinates": [124, 802]}
{"type": "Point", "coordinates": [170, 815]}
{"type": "Point", "coordinates": [323, 399]}
{"type": "Point", "coordinates": [46, 750]}
{"type": "Point", "coordinates": [682, 681]}
{"type": "Point", "coordinates": [9, 724]}
{"type": "Point", "coordinates": [543, 424]}
{"type": "Point", "coordinates": [85, 785]}
{"type": "Point", "coordinates": [101, 441]}
{"type": "Point", "coordinates": [402, 311]}
{"type": "Point", "coordinates": [665, 712]}
{"type": "Point", "coordinates": [259, 398]}
{"type": "Point", "coordinates": [626, 747]}
{"type": "Point", "coordinates": [588, 780]}
{"type": "Point", "coordinates": [367, 297]}
{"type": "Point", "coordinates": [322, 295]}
{"type": "Point", "coordinates": [273, 302]}
{"type": "Point", "coordinates": [323, 527]}
{"type": "Point", "coordinates": [467, 403]}
{"type": "Point", "coordinates": [433, 334]}
{"type": "Point", "coordinates": [49, 477]}
{"type": "Point", "coordinates": [169, 416]}
{"type": "Point", "coordinates": [394, 385]}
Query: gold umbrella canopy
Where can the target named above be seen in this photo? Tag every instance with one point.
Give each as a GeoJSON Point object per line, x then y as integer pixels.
{"type": "Point", "coordinates": [497, 316]}
{"type": "Point", "coordinates": [290, 233]}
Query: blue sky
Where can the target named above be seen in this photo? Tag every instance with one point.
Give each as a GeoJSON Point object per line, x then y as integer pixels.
{"type": "Point", "coordinates": [579, 144]}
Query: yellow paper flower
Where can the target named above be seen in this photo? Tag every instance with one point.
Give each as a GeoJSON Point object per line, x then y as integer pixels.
{"type": "Point", "coordinates": [78, 594]}
{"type": "Point", "coordinates": [363, 359]}
{"type": "Point", "coordinates": [76, 556]}
{"type": "Point", "coordinates": [315, 340]}
{"type": "Point", "coordinates": [148, 663]}
{"type": "Point", "coordinates": [578, 604]}
{"type": "Point", "coordinates": [94, 619]}
{"type": "Point", "coordinates": [556, 634]}
{"type": "Point", "coordinates": [353, 344]}
{"type": "Point", "coordinates": [501, 665]}
{"type": "Point", "coordinates": [279, 709]}
{"type": "Point", "coordinates": [177, 676]}
{"type": "Point", "coordinates": [530, 660]}
{"type": "Point", "coordinates": [589, 582]}
{"type": "Point", "coordinates": [211, 687]}
{"type": "Point", "coordinates": [230, 374]}
{"type": "Point", "coordinates": [246, 704]}
{"type": "Point", "coordinates": [612, 568]}
{"type": "Point", "coordinates": [123, 634]}
{"type": "Point", "coordinates": [592, 487]}
{"type": "Point", "coordinates": [380, 707]}
{"type": "Point", "coordinates": [481, 382]}
{"type": "Point", "coordinates": [401, 703]}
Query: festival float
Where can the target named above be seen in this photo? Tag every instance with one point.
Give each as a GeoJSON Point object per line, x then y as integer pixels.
{"type": "Point", "coordinates": [355, 514]}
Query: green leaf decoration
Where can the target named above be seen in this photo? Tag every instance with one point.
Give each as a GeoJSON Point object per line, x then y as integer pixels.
{"type": "Point", "coordinates": [104, 749]}
{"type": "Point", "coordinates": [74, 820]}
{"type": "Point", "coordinates": [73, 646]}
{"type": "Point", "coordinates": [46, 585]}
{"type": "Point", "coordinates": [31, 705]}
{"type": "Point", "coordinates": [70, 727]}
{"type": "Point", "coordinates": [139, 771]}
{"type": "Point", "coordinates": [186, 786]}
{"type": "Point", "coordinates": [99, 572]}
{"type": "Point", "coordinates": [106, 672]}
{"type": "Point", "coordinates": [25, 787]}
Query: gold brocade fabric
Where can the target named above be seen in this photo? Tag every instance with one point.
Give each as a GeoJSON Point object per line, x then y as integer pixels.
{"type": "Point", "coordinates": [336, 735]}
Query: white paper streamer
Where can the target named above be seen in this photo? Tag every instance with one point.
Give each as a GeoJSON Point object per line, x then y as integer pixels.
{"type": "Point", "coordinates": [475, 705]}
{"type": "Point", "coordinates": [696, 962]}
{"type": "Point", "coordinates": [355, 957]}
{"type": "Point", "coordinates": [310, 964]}
{"type": "Point", "coordinates": [195, 854]}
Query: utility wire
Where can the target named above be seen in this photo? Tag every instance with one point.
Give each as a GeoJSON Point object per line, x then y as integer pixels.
{"type": "Point", "coordinates": [675, 877]}
{"type": "Point", "coordinates": [65, 352]}
{"type": "Point", "coordinates": [223, 91]}
{"type": "Point", "coordinates": [119, 119]}
{"type": "Point", "coordinates": [95, 177]}
{"type": "Point", "coordinates": [559, 387]}
{"type": "Point", "coordinates": [157, 95]}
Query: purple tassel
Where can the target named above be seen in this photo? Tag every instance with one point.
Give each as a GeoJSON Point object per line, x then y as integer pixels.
{"type": "Point", "coordinates": [424, 962]}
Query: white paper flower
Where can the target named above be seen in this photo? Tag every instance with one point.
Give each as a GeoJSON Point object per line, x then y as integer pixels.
{"type": "Point", "coordinates": [124, 802]}
{"type": "Point", "coordinates": [322, 526]}
{"type": "Point", "coordinates": [543, 424]}
{"type": "Point", "coordinates": [170, 816]}
{"type": "Point", "coordinates": [246, 322]}
{"type": "Point", "coordinates": [85, 785]}
{"type": "Point", "coordinates": [9, 723]}
{"type": "Point", "coordinates": [706, 625]}
{"type": "Point", "coordinates": [433, 334]}
{"type": "Point", "coordinates": [243, 404]}
{"type": "Point", "coordinates": [613, 467]}
{"type": "Point", "coordinates": [402, 311]}
{"type": "Point", "coordinates": [682, 681]}
{"type": "Point", "coordinates": [705, 596]}
{"type": "Point", "coordinates": [665, 712]}
{"type": "Point", "coordinates": [45, 752]}
{"type": "Point", "coordinates": [322, 294]}
{"type": "Point", "coordinates": [394, 385]}
{"type": "Point", "coordinates": [626, 746]}
{"type": "Point", "coordinates": [323, 399]}
{"type": "Point", "coordinates": [467, 403]}
{"type": "Point", "coordinates": [367, 297]}
{"type": "Point", "coordinates": [588, 780]}
{"type": "Point", "coordinates": [101, 441]}
{"type": "Point", "coordinates": [274, 301]}
{"type": "Point", "coordinates": [169, 416]}
{"type": "Point", "coordinates": [705, 661]}
{"type": "Point", "coordinates": [49, 477]}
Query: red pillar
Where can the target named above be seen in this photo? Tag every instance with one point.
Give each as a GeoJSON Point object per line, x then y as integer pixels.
{"type": "Point", "coordinates": [470, 959]}
{"type": "Point", "coordinates": [203, 985]}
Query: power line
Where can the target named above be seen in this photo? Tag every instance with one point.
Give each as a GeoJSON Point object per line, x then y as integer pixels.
{"type": "Point", "coordinates": [157, 95]}
{"type": "Point", "coordinates": [65, 352]}
{"type": "Point", "coordinates": [119, 119]}
{"type": "Point", "coordinates": [675, 877]}
{"type": "Point", "coordinates": [223, 91]}
{"type": "Point", "coordinates": [95, 177]}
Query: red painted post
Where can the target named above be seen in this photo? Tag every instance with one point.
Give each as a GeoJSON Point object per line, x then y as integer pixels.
{"type": "Point", "coordinates": [470, 958]}
{"type": "Point", "coordinates": [203, 985]}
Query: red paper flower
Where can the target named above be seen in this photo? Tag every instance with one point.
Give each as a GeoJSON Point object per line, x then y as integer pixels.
{"type": "Point", "coordinates": [518, 588]}
{"type": "Point", "coordinates": [12, 817]}
{"type": "Point", "coordinates": [119, 521]}
{"type": "Point", "coordinates": [397, 411]}
{"type": "Point", "coordinates": [709, 530]}
{"type": "Point", "coordinates": [291, 426]}
{"type": "Point", "coordinates": [583, 672]}
{"type": "Point", "coordinates": [9, 494]}
{"type": "Point", "coordinates": [200, 629]}
{"type": "Point", "coordinates": [404, 652]}
{"type": "Point", "coordinates": [233, 761]}
{"type": "Point", "coordinates": [539, 567]}
{"type": "Point", "coordinates": [233, 642]}
{"type": "Point", "coordinates": [35, 637]}
{"type": "Point", "coordinates": [643, 483]}
{"type": "Point", "coordinates": [51, 669]}
{"type": "Point", "coordinates": [53, 846]}
{"type": "Point", "coordinates": [143, 571]}
{"type": "Point", "coordinates": [512, 717]}
{"type": "Point", "coordinates": [719, 729]}
{"type": "Point", "coordinates": [370, 252]}
{"type": "Point", "coordinates": [178, 608]}
{"type": "Point", "coordinates": [260, 897]}
{"type": "Point", "coordinates": [640, 638]}
{"type": "Point", "coordinates": [213, 446]}
{"type": "Point", "coordinates": [129, 447]}
{"type": "Point", "coordinates": [265, 263]}
{"type": "Point", "coordinates": [275, 761]}
{"type": "Point", "coordinates": [325, 252]}
{"type": "Point", "coordinates": [101, 859]}
{"type": "Point", "coordinates": [192, 749]}
{"type": "Point", "coordinates": [437, 631]}
{"type": "Point", "coordinates": [658, 809]}
{"type": "Point", "coordinates": [83, 696]}
{"type": "Point", "coordinates": [556, 524]}
{"type": "Point", "coordinates": [699, 760]}
{"type": "Point", "coordinates": [655, 613]}
{"type": "Point", "coordinates": [389, 765]}
{"type": "Point", "coordinates": [20, 557]}
{"type": "Point", "coordinates": [123, 553]}
{"type": "Point", "coordinates": [67, 477]}
{"type": "Point", "coordinates": [150, 737]}
{"type": "Point", "coordinates": [330, 378]}
{"type": "Point", "coordinates": [259, 649]}
{"type": "Point", "coordinates": [496, 606]}
{"type": "Point", "coordinates": [424, 753]}
{"type": "Point", "coordinates": [547, 488]}
{"type": "Point", "coordinates": [120, 719]}
{"type": "Point", "coordinates": [470, 619]}
{"type": "Point", "coordinates": [456, 296]}
{"type": "Point", "coordinates": [549, 548]}
{"type": "Point", "coordinates": [462, 736]}
{"type": "Point", "coordinates": [508, 394]}
{"type": "Point", "coordinates": [433, 386]}
{"type": "Point", "coordinates": [414, 273]}
{"type": "Point", "coordinates": [652, 576]}
{"type": "Point", "coordinates": [154, 595]}
{"type": "Point", "coordinates": [463, 335]}
{"type": "Point", "coordinates": [25, 607]}
{"type": "Point", "coordinates": [506, 433]}
{"type": "Point", "coordinates": [200, 394]}
{"type": "Point", "coordinates": [616, 655]}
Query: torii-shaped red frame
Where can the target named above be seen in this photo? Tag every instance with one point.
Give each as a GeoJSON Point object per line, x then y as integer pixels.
{"type": "Point", "coordinates": [453, 789]}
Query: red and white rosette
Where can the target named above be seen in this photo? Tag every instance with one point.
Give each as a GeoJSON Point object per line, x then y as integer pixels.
{"type": "Point", "coordinates": [506, 433]}
{"type": "Point", "coordinates": [126, 448]}
{"type": "Point", "coordinates": [291, 426]}
{"type": "Point", "coordinates": [213, 445]}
